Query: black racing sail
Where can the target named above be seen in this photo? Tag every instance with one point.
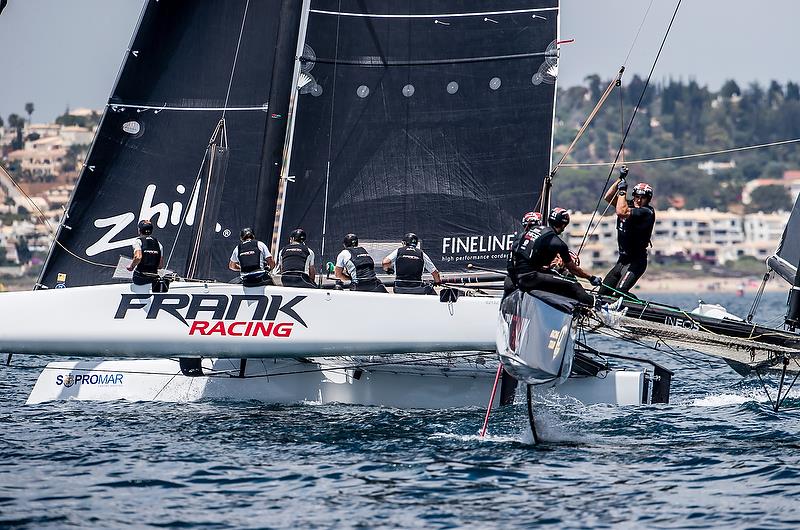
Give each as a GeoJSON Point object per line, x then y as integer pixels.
{"type": "Point", "coordinates": [787, 257]}
{"type": "Point", "coordinates": [429, 116]}
{"type": "Point", "coordinates": [192, 138]}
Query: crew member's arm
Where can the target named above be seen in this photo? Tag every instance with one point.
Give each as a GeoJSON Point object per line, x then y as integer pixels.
{"type": "Point", "coordinates": [233, 263]}
{"type": "Point", "coordinates": [388, 261]}
{"type": "Point", "coordinates": [430, 267]}
{"type": "Point", "coordinates": [268, 259]}
{"type": "Point", "coordinates": [574, 268]}
{"type": "Point", "coordinates": [623, 210]}
{"type": "Point", "coordinates": [137, 257]}
{"type": "Point", "coordinates": [339, 270]}
{"type": "Point", "coordinates": [271, 262]}
{"type": "Point", "coordinates": [611, 195]}
{"type": "Point", "coordinates": [311, 272]}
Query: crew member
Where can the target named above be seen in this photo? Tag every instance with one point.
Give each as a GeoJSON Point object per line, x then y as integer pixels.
{"type": "Point", "coordinates": [296, 262]}
{"type": "Point", "coordinates": [635, 221]}
{"type": "Point", "coordinates": [148, 256]}
{"type": "Point", "coordinates": [252, 259]}
{"type": "Point", "coordinates": [355, 264]}
{"type": "Point", "coordinates": [532, 256]}
{"type": "Point", "coordinates": [410, 262]}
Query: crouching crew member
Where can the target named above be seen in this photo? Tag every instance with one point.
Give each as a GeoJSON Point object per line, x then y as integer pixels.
{"type": "Point", "coordinates": [148, 257]}
{"type": "Point", "coordinates": [249, 258]}
{"type": "Point", "coordinates": [529, 221]}
{"type": "Point", "coordinates": [355, 264]}
{"type": "Point", "coordinates": [533, 253]}
{"type": "Point", "coordinates": [409, 262]}
{"type": "Point", "coordinates": [296, 262]}
{"type": "Point", "coordinates": [635, 221]}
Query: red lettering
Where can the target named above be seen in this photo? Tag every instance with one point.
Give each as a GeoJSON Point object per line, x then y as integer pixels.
{"type": "Point", "coordinates": [219, 327]}
{"type": "Point", "coordinates": [248, 328]}
{"type": "Point", "coordinates": [232, 327]}
{"type": "Point", "coordinates": [199, 326]}
{"type": "Point", "coordinates": [283, 330]}
{"type": "Point", "coordinates": [264, 330]}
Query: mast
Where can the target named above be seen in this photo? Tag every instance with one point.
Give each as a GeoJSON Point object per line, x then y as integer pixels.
{"type": "Point", "coordinates": [292, 113]}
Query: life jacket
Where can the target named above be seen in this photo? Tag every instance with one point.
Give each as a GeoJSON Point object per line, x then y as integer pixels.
{"type": "Point", "coordinates": [249, 256]}
{"type": "Point", "coordinates": [364, 264]}
{"type": "Point", "coordinates": [151, 255]}
{"type": "Point", "coordinates": [409, 264]}
{"type": "Point", "coordinates": [294, 257]}
{"type": "Point", "coordinates": [532, 252]}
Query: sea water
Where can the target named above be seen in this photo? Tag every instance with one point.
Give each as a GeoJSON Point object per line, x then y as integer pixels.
{"type": "Point", "coordinates": [716, 456]}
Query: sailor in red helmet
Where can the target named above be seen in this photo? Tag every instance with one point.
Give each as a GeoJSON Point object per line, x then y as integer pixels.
{"type": "Point", "coordinates": [635, 221]}
{"type": "Point", "coordinates": [532, 257]}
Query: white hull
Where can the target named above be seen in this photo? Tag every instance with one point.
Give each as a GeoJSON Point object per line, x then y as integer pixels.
{"type": "Point", "coordinates": [287, 381]}
{"type": "Point", "coordinates": [224, 320]}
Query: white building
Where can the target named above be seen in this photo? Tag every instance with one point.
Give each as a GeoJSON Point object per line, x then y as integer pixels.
{"type": "Point", "coordinates": [700, 234]}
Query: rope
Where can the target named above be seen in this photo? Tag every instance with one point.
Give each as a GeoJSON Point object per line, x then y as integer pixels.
{"type": "Point", "coordinates": [630, 123]}
{"type": "Point", "coordinates": [683, 157]}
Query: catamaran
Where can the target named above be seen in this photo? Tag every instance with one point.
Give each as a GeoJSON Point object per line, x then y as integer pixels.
{"type": "Point", "coordinates": [375, 117]}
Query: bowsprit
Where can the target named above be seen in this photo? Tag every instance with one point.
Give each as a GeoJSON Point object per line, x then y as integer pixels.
{"type": "Point", "coordinates": [182, 306]}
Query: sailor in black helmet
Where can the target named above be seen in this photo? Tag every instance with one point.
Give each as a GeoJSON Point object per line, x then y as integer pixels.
{"type": "Point", "coordinates": [355, 264]}
{"type": "Point", "coordinates": [533, 255]}
{"type": "Point", "coordinates": [148, 256]}
{"type": "Point", "coordinates": [296, 262]}
{"type": "Point", "coordinates": [249, 258]}
{"type": "Point", "coordinates": [635, 221]}
{"type": "Point", "coordinates": [410, 262]}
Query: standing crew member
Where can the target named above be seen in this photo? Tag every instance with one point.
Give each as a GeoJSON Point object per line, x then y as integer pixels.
{"type": "Point", "coordinates": [355, 264]}
{"type": "Point", "coordinates": [249, 258]}
{"type": "Point", "coordinates": [148, 256]}
{"type": "Point", "coordinates": [296, 262]}
{"type": "Point", "coordinates": [635, 221]}
{"type": "Point", "coordinates": [410, 262]}
{"type": "Point", "coordinates": [532, 255]}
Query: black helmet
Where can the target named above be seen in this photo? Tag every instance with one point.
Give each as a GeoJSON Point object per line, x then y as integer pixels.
{"type": "Point", "coordinates": [298, 235]}
{"type": "Point", "coordinates": [145, 227]}
{"type": "Point", "coordinates": [558, 217]}
{"type": "Point", "coordinates": [247, 233]}
{"type": "Point", "coordinates": [350, 240]}
{"type": "Point", "coordinates": [410, 239]}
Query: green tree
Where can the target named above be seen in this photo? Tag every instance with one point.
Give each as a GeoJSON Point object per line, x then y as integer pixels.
{"type": "Point", "coordinates": [2, 123]}
{"type": "Point", "coordinates": [792, 91]}
{"type": "Point", "coordinates": [769, 199]}
{"type": "Point", "coordinates": [730, 88]}
{"type": "Point", "coordinates": [29, 110]}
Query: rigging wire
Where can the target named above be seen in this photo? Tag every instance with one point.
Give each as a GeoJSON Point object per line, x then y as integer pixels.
{"type": "Point", "coordinates": [235, 58]}
{"type": "Point", "coordinates": [682, 157]}
{"type": "Point", "coordinates": [630, 123]}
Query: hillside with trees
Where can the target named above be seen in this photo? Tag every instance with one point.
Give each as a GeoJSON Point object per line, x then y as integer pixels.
{"type": "Point", "coordinates": [679, 118]}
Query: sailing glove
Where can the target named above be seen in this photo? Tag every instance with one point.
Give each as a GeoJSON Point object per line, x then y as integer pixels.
{"type": "Point", "coordinates": [623, 172]}
{"type": "Point", "coordinates": [596, 281]}
{"type": "Point", "coordinates": [622, 186]}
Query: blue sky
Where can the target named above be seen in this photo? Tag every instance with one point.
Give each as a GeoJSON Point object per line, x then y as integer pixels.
{"type": "Point", "coordinates": [67, 52]}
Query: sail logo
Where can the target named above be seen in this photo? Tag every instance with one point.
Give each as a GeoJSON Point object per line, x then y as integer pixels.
{"type": "Point", "coordinates": [469, 248]}
{"type": "Point", "coordinates": [160, 212]}
{"type": "Point", "coordinates": [104, 379]}
{"type": "Point", "coordinates": [218, 314]}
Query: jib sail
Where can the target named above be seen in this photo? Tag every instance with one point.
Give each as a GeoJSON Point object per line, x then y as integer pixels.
{"type": "Point", "coordinates": [433, 117]}
{"type": "Point", "coordinates": [787, 257]}
{"type": "Point", "coordinates": [192, 67]}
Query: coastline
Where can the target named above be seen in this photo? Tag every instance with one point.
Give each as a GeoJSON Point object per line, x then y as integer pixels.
{"type": "Point", "coordinates": [664, 283]}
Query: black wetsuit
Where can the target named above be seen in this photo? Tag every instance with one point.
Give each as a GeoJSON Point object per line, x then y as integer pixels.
{"type": "Point", "coordinates": [633, 236]}
{"type": "Point", "coordinates": [529, 265]}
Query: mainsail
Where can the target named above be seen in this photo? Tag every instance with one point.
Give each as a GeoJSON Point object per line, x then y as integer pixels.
{"type": "Point", "coordinates": [786, 258]}
{"type": "Point", "coordinates": [190, 64]}
{"type": "Point", "coordinates": [426, 116]}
